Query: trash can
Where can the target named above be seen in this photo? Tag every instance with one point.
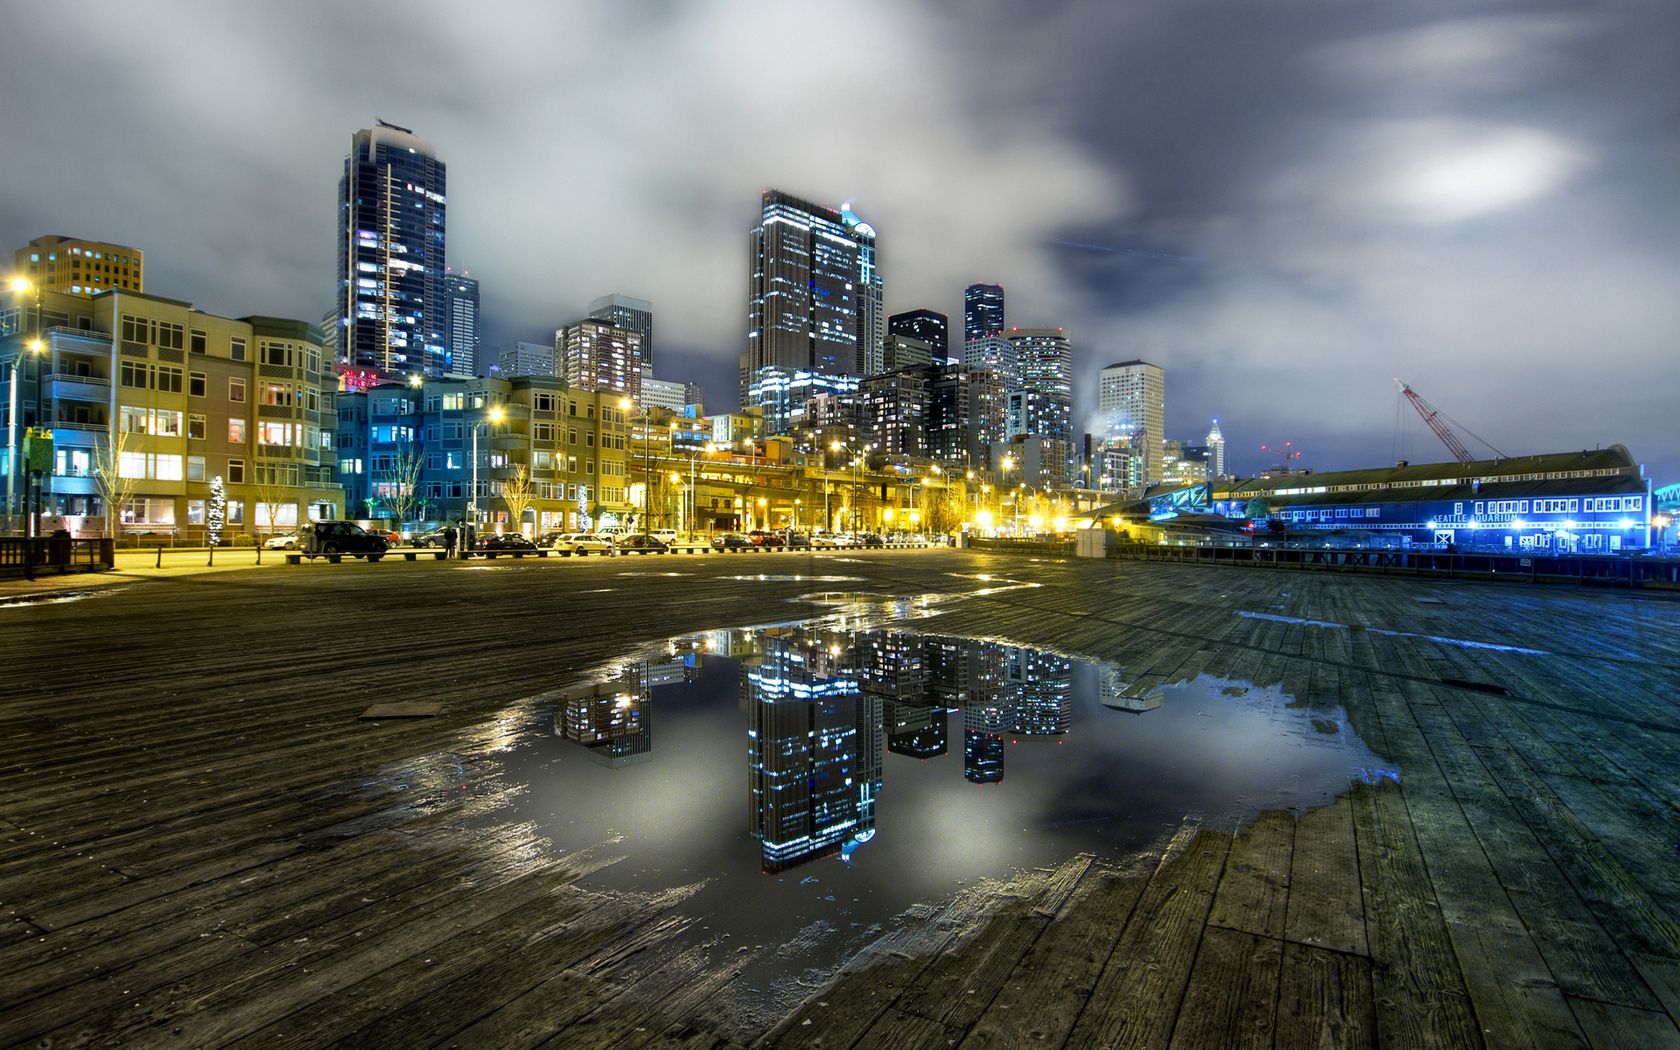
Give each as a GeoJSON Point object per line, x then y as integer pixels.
{"type": "Point", "coordinates": [58, 549]}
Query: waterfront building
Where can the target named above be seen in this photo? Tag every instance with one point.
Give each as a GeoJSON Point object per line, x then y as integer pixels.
{"type": "Point", "coordinates": [802, 309]}
{"type": "Point", "coordinates": [178, 404]}
{"type": "Point", "coordinates": [594, 354]}
{"type": "Point", "coordinates": [1593, 501]}
{"type": "Point", "coordinates": [74, 266]}
{"type": "Point", "coordinates": [631, 314]}
{"type": "Point", "coordinates": [460, 327]}
{"type": "Point", "coordinates": [929, 326]}
{"type": "Point", "coordinates": [391, 211]}
{"type": "Point", "coordinates": [1131, 397]}
{"type": "Point", "coordinates": [982, 312]}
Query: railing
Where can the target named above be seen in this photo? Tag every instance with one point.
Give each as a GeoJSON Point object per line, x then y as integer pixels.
{"type": "Point", "coordinates": [20, 555]}
{"type": "Point", "coordinates": [1600, 570]}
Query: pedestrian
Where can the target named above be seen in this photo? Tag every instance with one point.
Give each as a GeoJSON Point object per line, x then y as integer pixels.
{"type": "Point", "coordinates": [449, 542]}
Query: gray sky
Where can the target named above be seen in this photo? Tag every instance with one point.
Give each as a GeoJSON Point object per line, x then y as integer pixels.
{"type": "Point", "coordinates": [1283, 203]}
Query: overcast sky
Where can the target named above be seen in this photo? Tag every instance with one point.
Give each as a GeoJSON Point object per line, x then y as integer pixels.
{"type": "Point", "coordinates": [1285, 204]}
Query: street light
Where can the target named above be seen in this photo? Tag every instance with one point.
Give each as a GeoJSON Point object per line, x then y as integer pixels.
{"type": "Point", "coordinates": [31, 497]}
{"type": "Point", "coordinates": [857, 458]}
{"type": "Point", "coordinates": [492, 417]}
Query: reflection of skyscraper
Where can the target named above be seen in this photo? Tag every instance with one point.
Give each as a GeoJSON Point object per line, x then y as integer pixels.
{"type": "Point", "coordinates": [983, 744]}
{"type": "Point", "coordinates": [916, 730]}
{"type": "Point", "coordinates": [1037, 692]}
{"type": "Point", "coordinates": [614, 721]}
{"type": "Point", "coordinates": [813, 750]}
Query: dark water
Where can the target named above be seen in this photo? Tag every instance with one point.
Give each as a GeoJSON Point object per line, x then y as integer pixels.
{"type": "Point", "coordinates": [820, 778]}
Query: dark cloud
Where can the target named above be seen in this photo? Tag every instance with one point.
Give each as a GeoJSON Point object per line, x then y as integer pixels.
{"type": "Point", "coordinates": [1285, 204]}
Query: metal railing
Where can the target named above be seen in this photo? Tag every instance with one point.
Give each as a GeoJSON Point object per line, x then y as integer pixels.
{"type": "Point", "coordinates": [19, 555]}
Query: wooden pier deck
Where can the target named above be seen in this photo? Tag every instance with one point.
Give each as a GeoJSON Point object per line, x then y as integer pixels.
{"type": "Point", "coordinates": [201, 845]}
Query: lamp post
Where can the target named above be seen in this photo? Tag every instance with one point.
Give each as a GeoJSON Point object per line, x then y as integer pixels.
{"type": "Point", "coordinates": [857, 458]}
{"type": "Point", "coordinates": [630, 407]}
{"type": "Point", "coordinates": [31, 496]}
{"type": "Point", "coordinates": [492, 417]}
{"type": "Point", "coordinates": [693, 457]}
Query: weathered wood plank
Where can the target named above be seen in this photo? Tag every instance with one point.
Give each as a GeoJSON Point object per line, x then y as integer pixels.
{"type": "Point", "coordinates": [1324, 907]}
{"type": "Point", "coordinates": [1254, 889]}
{"type": "Point", "coordinates": [1324, 1000]}
{"type": "Point", "coordinates": [1233, 993]}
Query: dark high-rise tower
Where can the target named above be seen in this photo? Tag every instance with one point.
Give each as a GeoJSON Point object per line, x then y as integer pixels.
{"type": "Point", "coordinates": [930, 326]}
{"type": "Point", "coordinates": [803, 308]}
{"type": "Point", "coordinates": [982, 311]}
{"type": "Point", "coordinates": [460, 328]}
{"type": "Point", "coordinates": [391, 253]}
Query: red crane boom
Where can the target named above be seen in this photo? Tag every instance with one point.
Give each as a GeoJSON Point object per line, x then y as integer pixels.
{"type": "Point", "coordinates": [1432, 416]}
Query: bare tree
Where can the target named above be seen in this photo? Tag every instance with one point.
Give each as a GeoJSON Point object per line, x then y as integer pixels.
{"type": "Point", "coordinates": [271, 489]}
{"type": "Point", "coordinates": [401, 478]}
{"type": "Point", "coordinates": [516, 493]}
{"type": "Point", "coordinates": [114, 489]}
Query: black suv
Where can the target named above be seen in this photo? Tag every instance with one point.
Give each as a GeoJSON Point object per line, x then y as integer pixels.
{"type": "Point", "coordinates": [333, 538]}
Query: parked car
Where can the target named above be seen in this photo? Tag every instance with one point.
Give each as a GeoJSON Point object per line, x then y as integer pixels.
{"type": "Point", "coordinates": [798, 539]}
{"type": "Point", "coordinates": [724, 541]}
{"type": "Point", "coordinates": [870, 539]}
{"type": "Point", "coordinates": [581, 543]}
{"type": "Point", "coordinates": [761, 538]}
{"type": "Point", "coordinates": [392, 539]}
{"type": "Point", "coordinates": [641, 543]}
{"type": "Point", "coordinates": [430, 538]}
{"type": "Point", "coordinates": [341, 537]}
{"type": "Point", "coordinates": [665, 536]}
{"type": "Point", "coordinates": [830, 540]}
{"type": "Point", "coordinates": [286, 542]}
{"type": "Point", "coordinates": [507, 543]}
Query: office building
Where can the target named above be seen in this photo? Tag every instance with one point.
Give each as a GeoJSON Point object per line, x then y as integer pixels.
{"type": "Point", "coordinates": [460, 328]}
{"type": "Point", "coordinates": [871, 309]}
{"type": "Point", "coordinates": [982, 311]}
{"type": "Point", "coordinates": [930, 326]}
{"type": "Point", "coordinates": [631, 314]}
{"type": "Point", "coordinates": [593, 354]}
{"type": "Point", "coordinates": [781, 395]}
{"type": "Point", "coordinates": [525, 359]}
{"type": "Point", "coordinates": [1131, 397]}
{"type": "Point", "coordinates": [73, 266]}
{"type": "Point", "coordinates": [1045, 357]}
{"type": "Point", "coordinates": [662, 393]}
{"type": "Point", "coordinates": [198, 414]}
{"type": "Point", "coordinates": [965, 415]}
{"type": "Point", "coordinates": [894, 411]}
{"type": "Point", "coordinates": [906, 351]}
{"type": "Point", "coordinates": [1216, 451]}
{"type": "Point", "coordinates": [391, 253]}
{"type": "Point", "coordinates": [997, 355]}
{"type": "Point", "coordinates": [802, 313]}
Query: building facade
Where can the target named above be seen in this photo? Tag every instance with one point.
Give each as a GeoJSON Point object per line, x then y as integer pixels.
{"type": "Point", "coordinates": [391, 211]}
{"type": "Point", "coordinates": [632, 314]}
{"type": "Point", "coordinates": [995, 354]}
{"type": "Point", "coordinates": [929, 326]}
{"type": "Point", "coordinates": [1131, 397]}
{"type": "Point", "coordinates": [871, 309]}
{"type": "Point", "coordinates": [173, 415]}
{"type": "Point", "coordinates": [525, 359]}
{"type": "Point", "coordinates": [594, 354]}
{"type": "Point", "coordinates": [460, 304]}
{"type": "Point", "coordinates": [73, 266]}
{"type": "Point", "coordinates": [982, 312]}
{"type": "Point", "coordinates": [802, 310]}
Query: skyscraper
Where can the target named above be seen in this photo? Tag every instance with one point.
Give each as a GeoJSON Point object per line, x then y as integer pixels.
{"type": "Point", "coordinates": [1216, 452]}
{"type": "Point", "coordinates": [803, 306]}
{"type": "Point", "coordinates": [930, 326]}
{"type": "Point", "coordinates": [1046, 362]}
{"type": "Point", "coordinates": [460, 330]}
{"type": "Point", "coordinates": [630, 313]}
{"type": "Point", "coordinates": [593, 354]}
{"type": "Point", "coordinates": [982, 311]}
{"type": "Point", "coordinates": [391, 252]}
{"type": "Point", "coordinates": [995, 354]}
{"type": "Point", "coordinates": [871, 327]}
{"type": "Point", "coordinates": [1131, 396]}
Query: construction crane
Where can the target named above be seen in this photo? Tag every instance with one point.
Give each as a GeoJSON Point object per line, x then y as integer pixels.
{"type": "Point", "coordinates": [1287, 456]}
{"type": "Point", "coordinates": [1438, 423]}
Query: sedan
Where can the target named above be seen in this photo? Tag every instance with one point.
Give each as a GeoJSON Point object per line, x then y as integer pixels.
{"type": "Point", "coordinates": [509, 543]}
{"type": "Point", "coordinates": [581, 543]}
{"type": "Point", "coordinates": [724, 541]}
{"type": "Point", "coordinates": [760, 538]}
{"type": "Point", "coordinates": [287, 542]}
{"type": "Point", "coordinates": [641, 543]}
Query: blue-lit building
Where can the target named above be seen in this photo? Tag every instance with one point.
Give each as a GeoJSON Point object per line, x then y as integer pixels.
{"type": "Point", "coordinates": [1595, 501]}
{"type": "Point", "coordinates": [460, 303]}
{"type": "Point", "coordinates": [803, 306]}
{"type": "Point", "coordinates": [391, 308]}
{"type": "Point", "coordinates": [982, 311]}
{"type": "Point", "coordinates": [871, 311]}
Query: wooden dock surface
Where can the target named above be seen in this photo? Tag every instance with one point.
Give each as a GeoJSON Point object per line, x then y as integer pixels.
{"type": "Point", "coordinates": [201, 845]}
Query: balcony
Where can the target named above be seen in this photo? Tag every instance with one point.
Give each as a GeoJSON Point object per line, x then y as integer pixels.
{"type": "Point", "coordinates": [78, 388]}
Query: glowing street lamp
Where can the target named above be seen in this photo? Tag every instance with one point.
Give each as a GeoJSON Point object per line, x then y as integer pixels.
{"type": "Point", "coordinates": [493, 417]}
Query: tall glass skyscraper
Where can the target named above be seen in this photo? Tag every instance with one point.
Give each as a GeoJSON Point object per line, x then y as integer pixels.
{"type": "Point", "coordinates": [1046, 361]}
{"type": "Point", "coordinates": [391, 253]}
{"type": "Point", "coordinates": [803, 309]}
{"type": "Point", "coordinates": [460, 304]}
{"type": "Point", "coordinates": [871, 309]}
{"type": "Point", "coordinates": [982, 311]}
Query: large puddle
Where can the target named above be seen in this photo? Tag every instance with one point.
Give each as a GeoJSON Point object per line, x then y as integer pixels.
{"type": "Point", "coordinates": [819, 778]}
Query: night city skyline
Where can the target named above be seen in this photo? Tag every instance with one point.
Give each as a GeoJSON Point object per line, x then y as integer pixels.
{"type": "Point", "coordinates": [1287, 213]}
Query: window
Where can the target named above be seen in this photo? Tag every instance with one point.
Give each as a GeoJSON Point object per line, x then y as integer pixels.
{"type": "Point", "coordinates": [236, 472]}
{"type": "Point", "coordinates": [236, 431]}
{"type": "Point", "coordinates": [196, 427]}
{"type": "Point", "coordinates": [168, 468]}
{"type": "Point", "coordinates": [134, 420]}
{"type": "Point", "coordinates": [134, 374]}
{"type": "Point", "coordinates": [195, 512]}
{"type": "Point", "coordinates": [236, 390]}
{"type": "Point", "coordinates": [169, 379]}
{"type": "Point", "coordinates": [171, 336]}
{"type": "Point", "coordinates": [197, 383]}
{"type": "Point", "coordinates": [236, 349]}
{"type": "Point", "coordinates": [132, 465]}
{"type": "Point", "coordinates": [235, 508]}
{"type": "Point", "coordinates": [195, 468]}
{"type": "Point", "coordinates": [198, 342]}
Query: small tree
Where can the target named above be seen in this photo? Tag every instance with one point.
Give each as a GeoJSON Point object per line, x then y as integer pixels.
{"type": "Point", "coordinates": [114, 489]}
{"type": "Point", "coordinates": [516, 493]}
{"type": "Point", "coordinates": [271, 491]}
{"type": "Point", "coordinates": [402, 479]}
